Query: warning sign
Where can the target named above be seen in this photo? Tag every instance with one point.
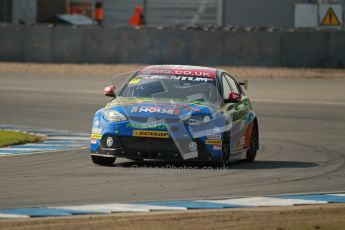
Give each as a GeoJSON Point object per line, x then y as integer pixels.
{"type": "Point", "coordinates": [330, 15]}
{"type": "Point", "coordinates": [330, 19]}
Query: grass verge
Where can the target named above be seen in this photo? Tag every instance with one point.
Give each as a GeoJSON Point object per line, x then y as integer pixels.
{"type": "Point", "coordinates": [16, 138]}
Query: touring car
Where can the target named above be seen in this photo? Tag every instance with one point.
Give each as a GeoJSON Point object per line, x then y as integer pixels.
{"type": "Point", "coordinates": [176, 113]}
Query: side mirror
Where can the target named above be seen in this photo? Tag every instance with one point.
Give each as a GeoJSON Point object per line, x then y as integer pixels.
{"type": "Point", "coordinates": [244, 84]}
{"type": "Point", "coordinates": [109, 91]}
{"type": "Point", "coordinates": [233, 98]}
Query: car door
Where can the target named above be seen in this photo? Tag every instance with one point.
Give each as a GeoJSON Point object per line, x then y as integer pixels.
{"type": "Point", "coordinates": [239, 112]}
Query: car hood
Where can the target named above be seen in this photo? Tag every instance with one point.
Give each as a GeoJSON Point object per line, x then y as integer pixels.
{"type": "Point", "coordinates": [160, 108]}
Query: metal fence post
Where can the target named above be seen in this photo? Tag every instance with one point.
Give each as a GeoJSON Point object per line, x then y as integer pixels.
{"type": "Point", "coordinates": [220, 12]}
{"type": "Point", "coordinates": [145, 11]}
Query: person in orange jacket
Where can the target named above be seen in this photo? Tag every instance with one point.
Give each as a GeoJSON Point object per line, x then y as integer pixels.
{"type": "Point", "coordinates": [99, 12]}
{"type": "Point", "coordinates": [137, 18]}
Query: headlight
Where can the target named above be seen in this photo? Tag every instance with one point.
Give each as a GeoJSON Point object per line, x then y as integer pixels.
{"type": "Point", "coordinates": [113, 115]}
{"type": "Point", "coordinates": [199, 120]}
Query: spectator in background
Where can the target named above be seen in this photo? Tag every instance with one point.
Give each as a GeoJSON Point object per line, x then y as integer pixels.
{"type": "Point", "coordinates": [99, 12]}
{"type": "Point", "coordinates": [137, 18]}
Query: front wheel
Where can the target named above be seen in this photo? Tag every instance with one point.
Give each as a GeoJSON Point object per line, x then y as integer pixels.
{"type": "Point", "coordinates": [254, 142]}
{"type": "Point", "coordinates": [105, 161]}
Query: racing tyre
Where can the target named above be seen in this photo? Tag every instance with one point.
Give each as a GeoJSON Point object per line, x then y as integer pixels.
{"type": "Point", "coordinates": [225, 161]}
{"type": "Point", "coordinates": [254, 141]}
{"type": "Point", "coordinates": [106, 161]}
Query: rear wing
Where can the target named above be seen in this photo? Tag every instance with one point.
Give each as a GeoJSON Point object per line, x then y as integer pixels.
{"type": "Point", "coordinates": [244, 83]}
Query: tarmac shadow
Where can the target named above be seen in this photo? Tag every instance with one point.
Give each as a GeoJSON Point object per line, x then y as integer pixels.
{"type": "Point", "coordinates": [214, 165]}
{"type": "Point", "coordinates": [169, 164]}
{"type": "Point", "coordinates": [266, 164]}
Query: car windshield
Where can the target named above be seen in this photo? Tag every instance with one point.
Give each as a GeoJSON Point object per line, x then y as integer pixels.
{"type": "Point", "coordinates": [190, 88]}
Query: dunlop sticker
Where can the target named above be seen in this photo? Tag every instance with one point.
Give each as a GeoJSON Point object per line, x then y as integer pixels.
{"type": "Point", "coordinates": [96, 136]}
{"type": "Point", "coordinates": [147, 133]}
{"type": "Point", "coordinates": [213, 142]}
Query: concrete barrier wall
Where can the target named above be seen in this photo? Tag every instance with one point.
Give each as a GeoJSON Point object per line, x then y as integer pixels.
{"type": "Point", "coordinates": [174, 46]}
{"type": "Point", "coordinates": [11, 44]}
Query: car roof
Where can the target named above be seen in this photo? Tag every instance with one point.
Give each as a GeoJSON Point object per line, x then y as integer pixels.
{"type": "Point", "coordinates": [189, 70]}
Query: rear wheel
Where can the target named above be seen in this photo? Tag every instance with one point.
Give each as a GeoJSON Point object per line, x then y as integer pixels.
{"type": "Point", "coordinates": [225, 161]}
{"type": "Point", "coordinates": [254, 142]}
{"type": "Point", "coordinates": [106, 161]}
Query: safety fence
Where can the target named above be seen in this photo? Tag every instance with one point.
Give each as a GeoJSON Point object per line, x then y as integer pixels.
{"type": "Point", "coordinates": [174, 46]}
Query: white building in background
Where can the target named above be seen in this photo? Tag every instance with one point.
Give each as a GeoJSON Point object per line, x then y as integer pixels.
{"type": "Point", "coordinates": [238, 13]}
{"type": "Point", "coordinates": [24, 11]}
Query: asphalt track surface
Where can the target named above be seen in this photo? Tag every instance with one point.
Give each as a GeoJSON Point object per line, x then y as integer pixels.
{"type": "Point", "coordinates": [302, 146]}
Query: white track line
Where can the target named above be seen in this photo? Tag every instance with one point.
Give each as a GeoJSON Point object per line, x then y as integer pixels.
{"type": "Point", "coordinates": [265, 201]}
{"type": "Point", "coordinates": [336, 195]}
{"type": "Point", "coordinates": [44, 145]}
{"type": "Point", "coordinates": [12, 216]}
{"type": "Point", "coordinates": [68, 138]}
{"type": "Point", "coordinates": [19, 149]}
{"type": "Point", "coordinates": [116, 207]}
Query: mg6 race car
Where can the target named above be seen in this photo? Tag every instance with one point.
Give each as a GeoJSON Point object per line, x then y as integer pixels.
{"type": "Point", "coordinates": [169, 112]}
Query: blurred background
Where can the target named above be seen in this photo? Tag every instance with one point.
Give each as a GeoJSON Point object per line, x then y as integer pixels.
{"type": "Point", "coordinates": [289, 33]}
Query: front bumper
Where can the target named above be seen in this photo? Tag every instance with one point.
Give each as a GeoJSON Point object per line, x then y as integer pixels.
{"type": "Point", "coordinates": [148, 148]}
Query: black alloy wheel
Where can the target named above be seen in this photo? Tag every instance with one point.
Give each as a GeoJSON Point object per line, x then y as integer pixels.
{"type": "Point", "coordinates": [225, 161]}
{"type": "Point", "coordinates": [254, 142]}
